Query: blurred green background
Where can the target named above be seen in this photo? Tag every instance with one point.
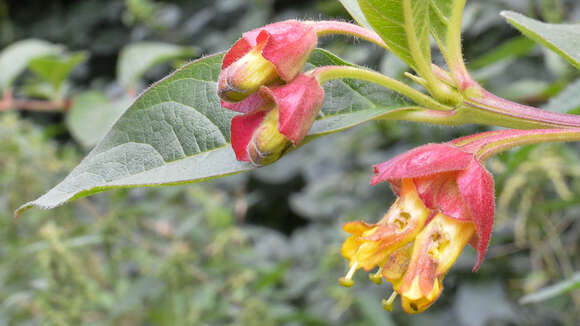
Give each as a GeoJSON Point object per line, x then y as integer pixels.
{"type": "Point", "coordinates": [261, 248]}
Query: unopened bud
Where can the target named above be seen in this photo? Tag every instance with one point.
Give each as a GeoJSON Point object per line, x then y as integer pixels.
{"type": "Point", "coordinates": [268, 144]}
{"type": "Point", "coordinates": [245, 76]}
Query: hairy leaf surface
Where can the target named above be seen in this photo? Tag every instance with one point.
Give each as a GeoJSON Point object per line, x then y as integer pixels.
{"type": "Point", "coordinates": [176, 132]}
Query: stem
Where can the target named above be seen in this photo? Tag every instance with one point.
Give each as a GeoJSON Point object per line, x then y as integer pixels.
{"type": "Point", "coordinates": [422, 59]}
{"type": "Point", "coordinates": [8, 102]}
{"type": "Point", "coordinates": [491, 143]}
{"type": "Point", "coordinates": [454, 47]}
{"type": "Point", "coordinates": [329, 27]}
{"type": "Point", "coordinates": [434, 85]}
{"type": "Point", "coordinates": [526, 117]}
{"type": "Point", "coordinates": [35, 105]}
{"type": "Point", "coordinates": [328, 73]}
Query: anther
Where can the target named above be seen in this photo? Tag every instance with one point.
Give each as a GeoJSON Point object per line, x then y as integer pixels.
{"type": "Point", "coordinates": [389, 304]}
{"type": "Point", "coordinates": [347, 280]}
{"type": "Point", "coordinates": [377, 277]}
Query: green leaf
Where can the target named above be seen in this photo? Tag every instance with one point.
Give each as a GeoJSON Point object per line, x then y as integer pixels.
{"type": "Point", "coordinates": [404, 26]}
{"type": "Point", "coordinates": [176, 132]}
{"type": "Point", "coordinates": [137, 58]}
{"type": "Point", "coordinates": [566, 101]}
{"type": "Point", "coordinates": [518, 46]}
{"type": "Point", "coordinates": [55, 69]}
{"type": "Point", "coordinates": [564, 39]}
{"type": "Point", "coordinates": [439, 16]}
{"type": "Point", "coordinates": [354, 10]}
{"type": "Point", "coordinates": [92, 115]}
{"type": "Point", "coordinates": [15, 58]}
{"type": "Point", "coordinates": [553, 291]}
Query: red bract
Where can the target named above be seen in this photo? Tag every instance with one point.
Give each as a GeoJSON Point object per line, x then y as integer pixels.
{"type": "Point", "coordinates": [449, 180]}
{"type": "Point", "coordinates": [286, 111]}
{"type": "Point", "coordinates": [268, 55]}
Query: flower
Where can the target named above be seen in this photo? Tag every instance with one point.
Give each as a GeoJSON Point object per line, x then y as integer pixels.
{"type": "Point", "coordinates": [371, 244]}
{"type": "Point", "coordinates": [446, 199]}
{"type": "Point", "coordinates": [269, 55]}
{"type": "Point", "coordinates": [274, 119]}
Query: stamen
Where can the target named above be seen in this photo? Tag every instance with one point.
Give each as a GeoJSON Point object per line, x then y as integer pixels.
{"type": "Point", "coordinates": [389, 304]}
{"type": "Point", "coordinates": [347, 280]}
{"type": "Point", "coordinates": [377, 277]}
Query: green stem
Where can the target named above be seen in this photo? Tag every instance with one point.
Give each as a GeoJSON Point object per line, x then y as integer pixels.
{"type": "Point", "coordinates": [454, 47]}
{"type": "Point", "coordinates": [328, 73]}
{"type": "Point", "coordinates": [422, 58]}
{"type": "Point", "coordinates": [331, 27]}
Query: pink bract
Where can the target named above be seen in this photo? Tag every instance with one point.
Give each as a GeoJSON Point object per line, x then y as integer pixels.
{"type": "Point", "coordinates": [449, 180]}
{"type": "Point", "coordinates": [297, 103]}
{"type": "Point", "coordinates": [286, 44]}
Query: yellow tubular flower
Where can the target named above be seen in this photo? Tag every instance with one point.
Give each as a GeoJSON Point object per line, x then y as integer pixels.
{"type": "Point", "coordinates": [436, 248]}
{"type": "Point", "coordinates": [371, 244]}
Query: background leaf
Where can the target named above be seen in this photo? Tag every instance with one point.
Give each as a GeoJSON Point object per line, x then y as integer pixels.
{"type": "Point", "coordinates": [564, 39]}
{"type": "Point", "coordinates": [553, 291]}
{"type": "Point", "coordinates": [135, 59]}
{"type": "Point", "coordinates": [176, 132]}
{"type": "Point", "coordinates": [92, 115]}
{"type": "Point", "coordinates": [14, 59]}
{"type": "Point", "coordinates": [56, 69]}
{"type": "Point", "coordinates": [566, 101]}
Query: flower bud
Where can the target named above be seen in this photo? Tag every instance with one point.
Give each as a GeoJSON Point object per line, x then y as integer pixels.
{"type": "Point", "coordinates": [274, 119]}
{"type": "Point", "coordinates": [269, 55]}
{"type": "Point", "coordinates": [245, 76]}
{"type": "Point", "coordinates": [268, 144]}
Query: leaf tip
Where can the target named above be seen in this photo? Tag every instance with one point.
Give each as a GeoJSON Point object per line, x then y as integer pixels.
{"type": "Point", "coordinates": [22, 209]}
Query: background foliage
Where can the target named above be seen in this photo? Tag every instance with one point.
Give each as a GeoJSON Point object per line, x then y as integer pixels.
{"type": "Point", "coordinates": [261, 248]}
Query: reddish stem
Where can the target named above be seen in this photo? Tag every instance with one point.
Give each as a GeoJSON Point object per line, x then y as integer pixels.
{"type": "Point", "coordinates": [492, 103]}
{"type": "Point", "coordinates": [487, 144]}
{"type": "Point", "coordinates": [8, 102]}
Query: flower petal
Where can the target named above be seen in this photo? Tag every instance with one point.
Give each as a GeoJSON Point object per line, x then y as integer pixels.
{"type": "Point", "coordinates": [290, 44]}
{"type": "Point", "coordinates": [450, 202]}
{"type": "Point", "coordinates": [422, 161]}
{"type": "Point", "coordinates": [286, 44]}
{"type": "Point", "coordinates": [250, 104]}
{"type": "Point", "coordinates": [477, 189]}
{"type": "Point", "coordinates": [238, 50]}
{"type": "Point", "coordinates": [242, 130]}
{"type": "Point", "coordinates": [298, 104]}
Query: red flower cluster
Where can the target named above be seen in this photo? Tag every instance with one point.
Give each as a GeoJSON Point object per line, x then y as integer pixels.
{"type": "Point", "coordinates": [261, 78]}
